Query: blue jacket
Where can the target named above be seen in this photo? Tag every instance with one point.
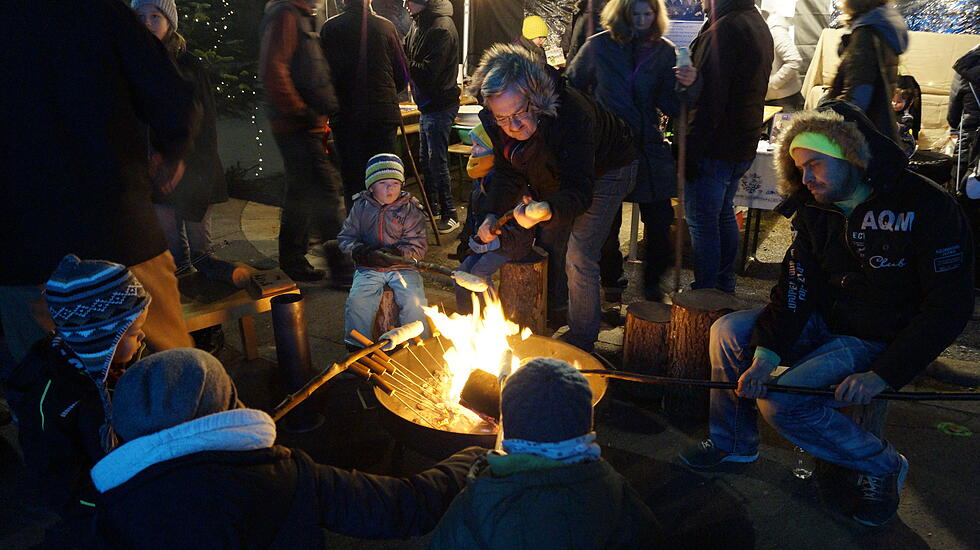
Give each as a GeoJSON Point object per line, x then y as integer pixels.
{"type": "Point", "coordinates": [400, 225]}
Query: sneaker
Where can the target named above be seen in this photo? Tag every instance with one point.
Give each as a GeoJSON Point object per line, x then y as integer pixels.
{"type": "Point", "coordinates": [880, 495]}
{"type": "Point", "coordinates": [446, 225]}
{"type": "Point", "coordinates": [705, 456]}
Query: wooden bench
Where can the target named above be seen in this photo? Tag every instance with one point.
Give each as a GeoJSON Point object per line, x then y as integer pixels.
{"type": "Point", "coordinates": [209, 303]}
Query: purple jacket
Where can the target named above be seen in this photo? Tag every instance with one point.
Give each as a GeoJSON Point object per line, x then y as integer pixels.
{"type": "Point", "coordinates": [400, 225]}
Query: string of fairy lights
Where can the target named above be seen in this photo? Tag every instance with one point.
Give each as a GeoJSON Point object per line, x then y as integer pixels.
{"type": "Point", "coordinates": [232, 88]}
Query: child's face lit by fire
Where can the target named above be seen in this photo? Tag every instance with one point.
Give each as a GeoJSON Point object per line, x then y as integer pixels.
{"type": "Point", "coordinates": [386, 191]}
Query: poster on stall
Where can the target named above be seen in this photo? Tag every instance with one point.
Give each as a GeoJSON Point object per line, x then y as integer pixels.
{"type": "Point", "coordinates": [686, 18]}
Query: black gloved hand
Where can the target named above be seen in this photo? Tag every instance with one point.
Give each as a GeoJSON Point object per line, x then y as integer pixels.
{"type": "Point", "coordinates": [381, 261]}
{"type": "Point", "coordinates": [362, 254]}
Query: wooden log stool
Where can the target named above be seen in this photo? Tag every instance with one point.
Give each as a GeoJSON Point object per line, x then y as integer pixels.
{"type": "Point", "coordinates": [691, 318]}
{"type": "Point", "coordinates": [645, 345]}
{"type": "Point", "coordinates": [524, 291]}
{"type": "Point", "coordinates": [387, 316]}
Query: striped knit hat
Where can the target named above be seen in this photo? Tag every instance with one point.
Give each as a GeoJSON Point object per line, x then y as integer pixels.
{"type": "Point", "coordinates": [92, 303]}
{"type": "Point", "coordinates": [383, 166]}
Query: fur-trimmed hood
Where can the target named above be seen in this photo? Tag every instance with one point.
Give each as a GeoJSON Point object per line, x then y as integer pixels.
{"type": "Point", "coordinates": [511, 66]}
{"type": "Point", "coordinates": [849, 128]}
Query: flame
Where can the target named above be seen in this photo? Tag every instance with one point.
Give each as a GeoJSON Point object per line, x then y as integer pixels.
{"type": "Point", "coordinates": [479, 341]}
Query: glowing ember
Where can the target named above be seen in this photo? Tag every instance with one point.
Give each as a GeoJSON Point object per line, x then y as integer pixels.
{"type": "Point", "coordinates": [479, 341]}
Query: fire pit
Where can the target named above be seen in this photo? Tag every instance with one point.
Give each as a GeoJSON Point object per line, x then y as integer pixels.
{"type": "Point", "coordinates": [412, 420]}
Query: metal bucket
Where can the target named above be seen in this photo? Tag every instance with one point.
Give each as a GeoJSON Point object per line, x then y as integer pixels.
{"type": "Point", "coordinates": [402, 422]}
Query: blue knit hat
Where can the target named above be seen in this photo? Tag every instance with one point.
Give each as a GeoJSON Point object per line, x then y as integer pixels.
{"type": "Point", "coordinates": [92, 303]}
{"type": "Point", "coordinates": [547, 400]}
{"type": "Point", "coordinates": [383, 166]}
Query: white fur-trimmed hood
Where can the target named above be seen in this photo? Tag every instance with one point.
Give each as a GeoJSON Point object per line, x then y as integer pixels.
{"type": "Point", "coordinates": [234, 430]}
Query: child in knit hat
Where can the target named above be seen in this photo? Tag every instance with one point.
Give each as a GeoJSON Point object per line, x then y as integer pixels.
{"type": "Point", "coordinates": [477, 258]}
{"type": "Point", "coordinates": [198, 469]}
{"type": "Point", "coordinates": [386, 219]}
{"type": "Point", "coordinates": [60, 392]}
{"type": "Point", "coordinates": [549, 488]}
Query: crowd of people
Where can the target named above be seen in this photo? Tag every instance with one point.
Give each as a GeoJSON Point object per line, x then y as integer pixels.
{"type": "Point", "coordinates": [115, 177]}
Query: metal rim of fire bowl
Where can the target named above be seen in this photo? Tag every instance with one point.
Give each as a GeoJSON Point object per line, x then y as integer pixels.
{"type": "Point", "coordinates": [440, 442]}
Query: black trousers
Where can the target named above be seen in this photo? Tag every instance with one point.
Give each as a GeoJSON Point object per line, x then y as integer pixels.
{"type": "Point", "coordinates": [312, 196]}
{"type": "Point", "coordinates": [658, 250]}
{"type": "Point", "coordinates": [356, 143]}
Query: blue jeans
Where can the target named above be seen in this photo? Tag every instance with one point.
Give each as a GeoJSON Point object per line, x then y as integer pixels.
{"type": "Point", "coordinates": [710, 213]}
{"type": "Point", "coordinates": [589, 232]}
{"type": "Point", "coordinates": [818, 359]}
{"type": "Point", "coordinates": [365, 297]}
{"type": "Point", "coordinates": [434, 129]}
{"type": "Point", "coordinates": [483, 266]}
{"type": "Point", "coordinates": [186, 239]}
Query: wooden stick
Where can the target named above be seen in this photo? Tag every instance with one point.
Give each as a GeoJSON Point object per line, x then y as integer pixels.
{"type": "Point", "coordinates": [796, 390]}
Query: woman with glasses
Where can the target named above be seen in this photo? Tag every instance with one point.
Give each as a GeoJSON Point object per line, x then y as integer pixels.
{"type": "Point", "coordinates": [564, 164]}
{"type": "Point", "coordinates": [629, 69]}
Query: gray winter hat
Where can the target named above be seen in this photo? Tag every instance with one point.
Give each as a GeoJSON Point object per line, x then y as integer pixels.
{"type": "Point", "coordinates": [169, 388]}
{"type": "Point", "coordinates": [547, 400]}
{"type": "Point", "coordinates": [167, 7]}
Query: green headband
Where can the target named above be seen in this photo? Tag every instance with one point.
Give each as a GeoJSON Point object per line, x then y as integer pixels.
{"type": "Point", "coordinates": [817, 142]}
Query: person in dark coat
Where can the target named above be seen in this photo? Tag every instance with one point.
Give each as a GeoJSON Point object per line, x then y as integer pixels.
{"type": "Point", "coordinates": [877, 282]}
{"type": "Point", "coordinates": [297, 81]}
{"type": "Point", "coordinates": [586, 22]}
{"type": "Point", "coordinates": [198, 470]}
{"type": "Point", "coordinates": [88, 77]}
{"type": "Point", "coordinates": [733, 53]}
{"type": "Point", "coordinates": [868, 69]}
{"type": "Point", "coordinates": [629, 69]}
{"type": "Point", "coordinates": [368, 72]}
{"type": "Point", "coordinates": [563, 163]}
{"type": "Point", "coordinates": [183, 212]}
{"type": "Point", "coordinates": [60, 391]}
{"type": "Point", "coordinates": [432, 47]}
{"type": "Point", "coordinates": [548, 488]}
{"type": "Point", "coordinates": [963, 116]}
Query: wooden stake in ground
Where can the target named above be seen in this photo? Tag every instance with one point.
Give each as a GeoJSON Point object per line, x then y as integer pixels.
{"type": "Point", "coordinates": [524, 291]}
{"type": "Point", "coordinates": [645, 346]}
{"type": "Point", "coordinates": [387, 316]}
{"type": "Point", "coordinates": [691, 318]}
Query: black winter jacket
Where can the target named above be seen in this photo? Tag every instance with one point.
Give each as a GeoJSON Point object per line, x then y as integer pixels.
{"type": "Point", "coordinates": [59, 415]}
{"type": "Point", "coordinates": [203, 183]}
{"type": "Point", "coordinates": [432, 47]}
{"type": "Point", "coordinates": [962, 102]}
{"type": "Point", "coordinates": [637, 85]}
{"type": "Point", "coordinates": [898, 270]}
{"type": "Point", "coordinates": [269, 498]}
{"type": "Point", "coordinates": [733, 53]}
{"type": "Point", "coordinates": [578, 146]}
{"type": "Point", "coordinates": [83, 77]}
{"type": "Point", "coordinates": [367, 80]}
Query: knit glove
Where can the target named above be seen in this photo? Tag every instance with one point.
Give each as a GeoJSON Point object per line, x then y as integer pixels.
{"type": "Point", "coordinates": [362, 254]}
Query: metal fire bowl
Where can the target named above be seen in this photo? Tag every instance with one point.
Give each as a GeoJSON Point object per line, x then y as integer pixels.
{"type": "Point", "coordinates": [437, 443]}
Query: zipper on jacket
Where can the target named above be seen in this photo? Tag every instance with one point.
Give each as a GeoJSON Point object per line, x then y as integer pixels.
{"type": "Point", "coordinates": [847, 219]}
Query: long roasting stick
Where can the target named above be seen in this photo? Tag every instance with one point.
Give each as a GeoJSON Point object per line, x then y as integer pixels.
{"type": "Point", "coordinates": [796, 390]}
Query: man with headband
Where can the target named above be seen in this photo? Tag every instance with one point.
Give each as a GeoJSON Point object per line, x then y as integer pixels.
{"type": "Point", "coordinates": [876, 284]}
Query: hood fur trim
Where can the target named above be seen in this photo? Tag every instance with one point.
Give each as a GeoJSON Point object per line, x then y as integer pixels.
{"type": "Point", "coordinates": [509, 66]}
{"type": "Point", "coordinates": [829, 123]}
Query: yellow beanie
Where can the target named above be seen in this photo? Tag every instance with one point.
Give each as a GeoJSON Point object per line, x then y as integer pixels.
{"type": "Point", "coordinates": [534, 27]}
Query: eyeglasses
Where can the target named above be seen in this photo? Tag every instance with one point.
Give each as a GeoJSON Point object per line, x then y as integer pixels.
{"type": "Point", "coordinates": [518, 118]}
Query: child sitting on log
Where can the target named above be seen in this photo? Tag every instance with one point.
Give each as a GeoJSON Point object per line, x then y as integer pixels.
{"type": "Point", "coordinates": [483, 260]}
{"type": "Point", "coordinates": [384, 225]}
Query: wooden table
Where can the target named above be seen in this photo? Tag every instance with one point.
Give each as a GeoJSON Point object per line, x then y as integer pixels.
{"type": "Point", "coordinates": [210, 303]}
